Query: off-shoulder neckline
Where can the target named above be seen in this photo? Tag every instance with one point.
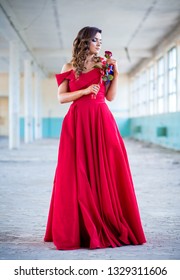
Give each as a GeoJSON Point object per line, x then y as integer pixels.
{"type": "Point", "coordinates": [89, 71]}
{"type": "Point", "coordinates": [72, 70]}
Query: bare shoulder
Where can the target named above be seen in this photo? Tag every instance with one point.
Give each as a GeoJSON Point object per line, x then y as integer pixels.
{"type": "Point", "coordinates": [66, 67]}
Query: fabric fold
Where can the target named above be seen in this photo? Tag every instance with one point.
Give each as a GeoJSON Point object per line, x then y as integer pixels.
{"type": "Point", "coordinates": [63, 76]}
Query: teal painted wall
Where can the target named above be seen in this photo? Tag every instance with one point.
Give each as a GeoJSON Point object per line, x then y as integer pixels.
{"type": "Point", "coordinates": [124, 126]}
{"type": "Point", "coordinates": [51, 127]}
{"type": "Point", "coordinates": [22, 128]}
{"type": "Point", "coordinates": [162, 129]}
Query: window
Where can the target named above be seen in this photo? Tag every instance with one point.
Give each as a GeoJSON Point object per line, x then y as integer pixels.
{"type": "Point", "coordinates": [172, 79]}
{"type": "Point", "coordinates": [132, 97]}
{"type": "Point", "coordinates": [160, 85]}
{"type": "Point", "coordinates": [138, 96]}
{"type": "Point", "coordinates": [151, 90]}
{"type": "Point", "coordinates": [143, 93]}
{"type": "Point", "coordinates": [135, 97]}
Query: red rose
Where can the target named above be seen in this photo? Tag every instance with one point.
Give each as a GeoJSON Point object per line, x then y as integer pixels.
{"type": "Point", "coordinates": [108, 54]}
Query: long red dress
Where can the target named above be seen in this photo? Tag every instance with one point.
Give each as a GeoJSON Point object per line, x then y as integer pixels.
{"type": "Point", "coordinates": [93, 202]}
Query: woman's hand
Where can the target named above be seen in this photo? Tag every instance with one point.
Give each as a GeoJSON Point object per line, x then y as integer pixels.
{"type": "Point", "coordinates": [113, 62]}
{"type": "Point", "coordinates": [94, 88]}
{"type": "Point", "coordinates": [113, 86]}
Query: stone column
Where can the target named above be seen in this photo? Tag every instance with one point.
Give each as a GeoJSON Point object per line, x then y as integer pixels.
{"type": "Point", "coordinates": [14, 93]}
{"type": "Point", "coordinates": [28, 119]}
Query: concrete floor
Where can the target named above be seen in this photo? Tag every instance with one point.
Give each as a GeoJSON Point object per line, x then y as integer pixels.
{"type": "Point", "coordinates": [26, 177]}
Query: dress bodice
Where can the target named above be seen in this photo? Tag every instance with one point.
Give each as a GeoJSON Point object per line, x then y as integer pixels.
{"type": "Point", "coordinates": [83, 81]}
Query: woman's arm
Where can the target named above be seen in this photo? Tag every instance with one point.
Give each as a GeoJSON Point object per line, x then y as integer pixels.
{"type": "Point", "coordinates": [65, 96]}
{"type": "Point", "coordinates": [113, 86]}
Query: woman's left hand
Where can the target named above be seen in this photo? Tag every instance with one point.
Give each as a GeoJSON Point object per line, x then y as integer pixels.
{"type": "Point", "coordinates": [113, 62]}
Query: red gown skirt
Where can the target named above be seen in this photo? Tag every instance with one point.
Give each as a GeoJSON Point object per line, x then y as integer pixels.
{"type": "Point", "coordinates": [93, 203]}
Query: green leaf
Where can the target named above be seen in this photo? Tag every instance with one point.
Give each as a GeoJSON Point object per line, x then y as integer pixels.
{"type": "Point", "coordinates": [110, 77]}
{"type": "Point", "coordinates": [105, 78]}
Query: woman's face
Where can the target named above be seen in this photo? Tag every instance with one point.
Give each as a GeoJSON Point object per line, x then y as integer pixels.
{"type": "Point", "coordinates": [95, 44]}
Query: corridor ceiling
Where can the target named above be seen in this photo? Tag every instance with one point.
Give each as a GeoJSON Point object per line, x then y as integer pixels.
{"type": "Point", "coordinates": [46, 29]}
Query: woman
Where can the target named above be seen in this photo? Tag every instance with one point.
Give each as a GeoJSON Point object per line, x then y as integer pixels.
{"type": "Point", "coordinates": [93, 203]}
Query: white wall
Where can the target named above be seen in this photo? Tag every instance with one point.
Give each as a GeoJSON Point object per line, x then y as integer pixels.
{"type": "Point", "coordinates": [4, 84]}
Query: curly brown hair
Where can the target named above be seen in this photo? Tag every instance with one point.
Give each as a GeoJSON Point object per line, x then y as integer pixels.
{"type": "Point", "coordinates": [81, 48]}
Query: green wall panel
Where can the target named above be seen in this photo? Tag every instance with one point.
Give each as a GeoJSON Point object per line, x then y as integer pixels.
{"type": "Point", "coordinates": [162, 129]}
{"type": "Point", "coordinates": [51, 127]}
